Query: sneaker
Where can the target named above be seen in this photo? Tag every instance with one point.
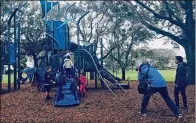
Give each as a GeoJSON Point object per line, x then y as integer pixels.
{"type": "Point", "coordinates": [143, 114]}
{"type": "Point", "coordinates": [179, 116]}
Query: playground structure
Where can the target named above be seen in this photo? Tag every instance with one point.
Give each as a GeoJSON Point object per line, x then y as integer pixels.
{"type": "Point", "coordinates": [84, 59]}
{"type": "Point", "coordinates": [10, 53]}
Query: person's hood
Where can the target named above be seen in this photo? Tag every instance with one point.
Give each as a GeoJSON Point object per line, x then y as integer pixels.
{"type": "Point", "coordinates": [66, 59]}
{"type": "Point", "coordinates": [183, 64]}
{"type": "Point", "coordinates": [143, 66]}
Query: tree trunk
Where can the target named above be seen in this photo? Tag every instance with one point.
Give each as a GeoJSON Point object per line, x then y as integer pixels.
{"type": "Point", "coordinates": [1, 66]}
{"type": "Point", "coordinates": [35, 61]}
{"type": "Point", "coordinates": [190, 43]}
{"type": "Point", "coordinates": [123, 74]}
{"type": "Point", "coordinates": [190, 56]}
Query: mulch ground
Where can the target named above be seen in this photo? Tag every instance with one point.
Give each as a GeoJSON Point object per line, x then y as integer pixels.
{"type": "Point", "coordinates": [99, 106]}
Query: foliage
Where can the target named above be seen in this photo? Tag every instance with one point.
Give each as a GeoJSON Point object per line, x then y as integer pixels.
{"type": "Point", "coordinates": [160, 58]}
{"type": "Point", "coordinates": [174, 20]}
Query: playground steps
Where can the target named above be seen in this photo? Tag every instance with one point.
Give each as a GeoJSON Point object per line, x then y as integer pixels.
{"type": "Point", "coordinates": [67, 94]}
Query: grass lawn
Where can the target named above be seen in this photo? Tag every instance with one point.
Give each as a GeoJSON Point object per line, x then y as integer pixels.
{"type": "Point", "coordinates": [5, 77]}
{"type": "Point", "coordinates": [169, 75]}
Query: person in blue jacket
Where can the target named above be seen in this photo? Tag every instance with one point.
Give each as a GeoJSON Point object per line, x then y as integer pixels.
{"type": "Point", "coordinates": [156, 84]}
{"type": "Point", "coordinates": [181, 82]}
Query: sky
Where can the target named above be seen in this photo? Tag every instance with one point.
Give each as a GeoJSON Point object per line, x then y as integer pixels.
{"type": "Point", "coordinates": [159, 43]}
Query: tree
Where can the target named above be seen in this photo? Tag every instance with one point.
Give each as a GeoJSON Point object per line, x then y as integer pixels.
{"type": "Point", "coordinates": [6, 9]}
{"type": "Point", "coordinates": [32, 30]}
{"type": "Point", "coordinates": [172, 19]}
{"type": "Point", "coordinates": [23, 61]}
{"type": "Point", "coordinates": [160, 58]}
{"type": "Point", "coordinates": [126, 34]}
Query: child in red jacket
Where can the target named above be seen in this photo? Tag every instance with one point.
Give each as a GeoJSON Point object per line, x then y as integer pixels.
{"type": "Point", "coordinates": [82, 88]}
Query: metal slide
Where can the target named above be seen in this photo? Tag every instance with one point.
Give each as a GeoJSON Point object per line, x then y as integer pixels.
{"type": "Point", "coordinates": [103, 71]}
{"type": "Point", "coordinates": [110, 78]}
{"type": "Point", "coordinates": [97, 69]}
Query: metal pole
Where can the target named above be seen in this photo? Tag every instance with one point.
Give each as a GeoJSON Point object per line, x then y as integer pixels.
{"type": "Point", "coordinates": [9, 25]}
{"type": "Point", "coordinates": [53, 39]}
{"type": "Point", "coordinates": [58, 10]}
{"type": "Point", "coordinates": [78, 22]}
{"type": "Point", "coordinates": [15, 47]}
{"type": "Point", "coordinates": [101, 43]}
{"type": "Point", "coordinates": [68, 9]}
{"type": "Point", "coordinates": [45, 7]}
{"type": "Point", "coordinates": [18, 55]}
{"type": "Point", "coordinates": [52, 34]}
{"type": "Point", "coordinates": [66, 38]}
{"type": "Point", "coordinates": [1, 64]}
{"type": "Point", "coordinates": [1, 55]}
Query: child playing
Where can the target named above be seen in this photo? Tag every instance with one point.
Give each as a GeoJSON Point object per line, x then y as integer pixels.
{"type": "Point", "coordinates": [82, 88]}
{"type": "Point", "coordinates": [47, 85]}
{"type": "Point", "coordinates": [68, 64]}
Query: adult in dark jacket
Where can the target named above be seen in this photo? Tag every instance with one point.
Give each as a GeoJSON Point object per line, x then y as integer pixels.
{"type": "Point", "coordinates": [181, 81]}
{"type": "Point", "coordinates": [156, 84]}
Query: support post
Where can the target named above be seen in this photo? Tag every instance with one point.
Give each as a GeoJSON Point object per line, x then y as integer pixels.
{"type": "Point", "coordinates": [9, 25]}
{"type": "Point", "coordinates": [95, 80]}
{"type": "Point", "coordinates": [15, 48]}
{"type": "Point", "coordinates": [1, 64]}
{"type": "Point", "coordinates": [78, 28]}
{"type": "Point", "coordinates": [8, 45]}
{"type": "Point", "coordinates": [18, 55]}
{"type": "Point", "coordinates": [101, 43]}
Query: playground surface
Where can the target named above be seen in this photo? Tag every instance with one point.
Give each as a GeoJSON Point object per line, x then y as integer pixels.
{"type": "Point", "coordinates": [99, 106]}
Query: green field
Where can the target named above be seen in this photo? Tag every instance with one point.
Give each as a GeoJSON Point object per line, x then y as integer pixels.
{"type": "Point", "coordinates": [169, 75]}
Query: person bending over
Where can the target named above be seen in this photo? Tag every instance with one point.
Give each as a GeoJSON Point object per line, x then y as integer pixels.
{"type": "Point", "coordinates": [156, 84]}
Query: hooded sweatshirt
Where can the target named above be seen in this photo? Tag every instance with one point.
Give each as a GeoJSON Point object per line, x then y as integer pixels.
{"type": "Point", "coordinates": [82, 79]}
{"type": "Point", "coordinates": [181, 75]}
{"type": "Point", "coordinates": [154, 78]}
{"type": "Point", "coordinates": [68, 63]}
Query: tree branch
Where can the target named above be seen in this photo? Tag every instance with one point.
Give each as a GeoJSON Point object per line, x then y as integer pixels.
{"type": "Point", "coordinates": [181, 4]}
{"type": "Point", "coordinates": [168, 10]}
{"type": "Point", "coordinates": [128, 51]}
{"type": "Point", "coordinates": [160, 31]}
{"type": "Point", "coordinates": [180, 24]}
{"type": "Point", "coordinates": [157, 30]}
{"type": "Point", "coordinates": [108, 53]}
{"type": "Point", "coordinates": [116, 59]}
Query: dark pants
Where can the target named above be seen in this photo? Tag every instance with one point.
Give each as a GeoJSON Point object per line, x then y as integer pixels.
{"type": "Point", "coordinates": [68, 72]}
{"type": "Point", "coordinates": [48, 87]}
{"type": "Point", "coordinates": [164, 94]}
{"type": "Point", "coordinates": [177, 90]}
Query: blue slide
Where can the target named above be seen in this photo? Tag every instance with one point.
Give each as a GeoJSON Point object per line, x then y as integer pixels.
{"type": "Point", "coordinates": [67, 94]}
